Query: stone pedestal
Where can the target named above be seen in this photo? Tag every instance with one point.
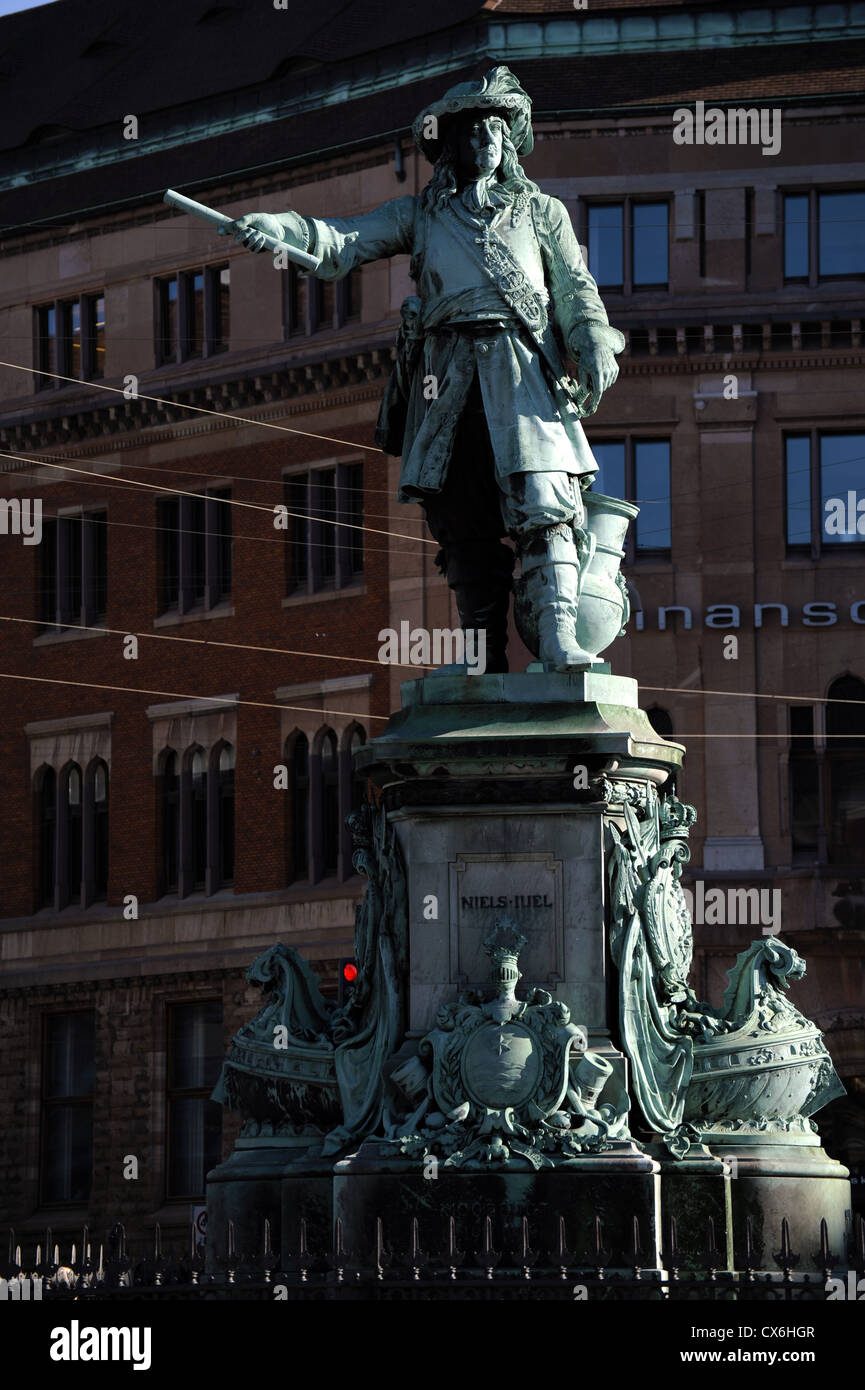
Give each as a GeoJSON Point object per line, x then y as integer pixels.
{"type": "Point", "coordinates": [617, 1187]}
{"type": "Point", "coordinates": [518, 1021]}
{"type": "Point", "coordinates": [772, 1180]}
{"type": "Point", "coordinates": [491, 785]}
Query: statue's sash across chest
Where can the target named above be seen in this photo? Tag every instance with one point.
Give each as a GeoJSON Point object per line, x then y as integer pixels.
{"type": "Point", "coordinates": [460, 255]}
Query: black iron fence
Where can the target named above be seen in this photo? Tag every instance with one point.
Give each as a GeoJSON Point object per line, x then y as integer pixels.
{"type": "Point", "coordinates": [394, 1269]}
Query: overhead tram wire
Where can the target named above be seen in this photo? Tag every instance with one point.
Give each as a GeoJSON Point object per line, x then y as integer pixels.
{"type": "Point", "coordinates": [210, 642]}
{"type": "Point", "coordinates": [229, 501]}
{"type": "Point", "coordinates": [178, 695]}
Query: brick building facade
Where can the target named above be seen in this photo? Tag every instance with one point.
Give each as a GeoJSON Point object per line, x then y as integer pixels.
{"type": "Point", "coordinates": [167, 814]}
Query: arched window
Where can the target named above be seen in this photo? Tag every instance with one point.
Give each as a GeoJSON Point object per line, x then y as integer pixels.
{"type": "Point", "coordinates": [329, 830]}
{"type": "Point", "coordinates": [353, 791]}
{"type": "Point", "coordinates": [98, 807]}
{"type": "Point", "coordinates": [224, 808]}
{"type": "Point", "coordinates": [46, 796]}
{"type": "Point", "coordinates": [73, 829]}
{"type": "Point", "coordinates": [170, 796]}
{"type": "Point", "coordinates": [358, 780]}
{"type": "Point", "coordinates": [845, 753]}
{"type": "Point", "coordinates": [297, 760]}
{"type": "Point", "coordinates": [197, 865]}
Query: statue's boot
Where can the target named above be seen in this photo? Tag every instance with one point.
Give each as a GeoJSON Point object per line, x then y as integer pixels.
{"type": "Point", "coordinates": [551, 567]}
{"type": "Point", "coordinates": [480, 577]}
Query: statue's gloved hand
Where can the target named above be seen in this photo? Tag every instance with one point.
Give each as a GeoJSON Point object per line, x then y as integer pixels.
{"type": "Point", "coordinates": [594, 346]}
{"type": "Point", "coordinates": [251, 229]}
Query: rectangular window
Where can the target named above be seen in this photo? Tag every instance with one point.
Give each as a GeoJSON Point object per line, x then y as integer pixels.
{"type": "Point", "coordinates": [824, 235]}
{"type": "Point", "coordinates": [192, 314]}
{"type": "Point", "coordinates": [650, 244]}
{"type": "Point", "coordinates": [310, 305]}
{"type": "Point", "coordinates": [195, 1053]}
{"type": "Point", "coordinates": [796, 237]}
{"type": "Point", "coordinates": [629, 244]}
{"type": "Point", "coordinates": [841, 233]}
{"type": "Point", "coordinates": [195, 551]}
{"type": "Point", "coordinates": [70, 340]}
{"type": "Point", "coordinates": [607, 244]}
{"type": "Point", "coordinates": [73, 574]}
{"type": "Point", "coordinates": [638, 470]}
{"type": "Point", "coordinates": [652, 488]}
{"type": "Point", "coordinates": [825, 490]}
{"type": "Point", "coordinates": [324, 528]}
{"type": "Point", "coordinates": [610, 479]}
{"type": "Point", "coordinates": [68, 1066]}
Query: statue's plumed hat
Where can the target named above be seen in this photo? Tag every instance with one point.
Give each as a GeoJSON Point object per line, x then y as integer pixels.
{"type": "Point", "coordinates": [498, 91]}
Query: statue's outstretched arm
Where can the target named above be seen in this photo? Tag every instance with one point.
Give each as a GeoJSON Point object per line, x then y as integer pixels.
{"type": "Point", "coordinates": [341, 243]}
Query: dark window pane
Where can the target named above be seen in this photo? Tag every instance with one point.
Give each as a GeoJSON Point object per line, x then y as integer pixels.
{"type": "Point", "coordinates": [193, 581]}
{"type": "Point", "coordinates": [100, 832]}
{"type": "Point", "coordinates": [47, 836]}
{"type": "Point", "coordinates": [798, 463]}
{"type": "Point", "coordinates": [351, 291]}
{"type": "Point", "coordinates": [168, 319]}
{"type": "Point", "coordinates": [326, 299]}
{"type": "Point", "coordinates": [796, 237]}
{"type": "Point", "coordinates": [97, 572]}
{"type": "Point", "coordinates": [222, 521]}
{"type": "Point", "coordinates": [291, 302]}
{"type": "Point", "coordinates": [199, 820]}
{"type": "Point", "coordinates": [842, 487]}
{"type": "Point", "coordinates": [69, 1055]}
{"type": "Point", "coordinates": [70, 569]}
{"type": "Point", "coordinates": [606, 243]}
{"type": "Point", "coordinates": [652, 480]}
{"type": "Point", "coordinates": [168, 520]}
{"type": "Point", "coordinates": [650, 244]}
{"type": "Point", "coordinates": [221, 309]}
{"type": "Point", "coordinates": [196, 1047]}
{"type": "Point", "coordinates": [842, 233]}
{"type": "Point", "coordinates": [170, 822]}
{"type": "Point", "coordinates": [225, 831]}
{"type": "Point", "coordinates": [358, 780]}
{"type": "Point", "coordinates": [352, 510]}
{"type": "Point", "coordinates": [324, 509]}
{"type": "Point", "coordinates": [195, 1052]}
{"type": "Point", "coordinates": [194, 1144]}
{"type": "Point", "coordinates": [74, 833]}
{"type": "Point", "coordinates": [48, 572]}
{"type": "Point", "coordinates": [300, 807]}
{"type": "Point", "coordinates": [96, 335]}
{"type": "Point", "coordinates": [329, 803]}
{"type": "Point", "coordinates": [195, 309]}
{"type": "Point", "coordinates": [610, 478]}
{"type": "Point", "coordinates": [47, 345]}
{"type": "Point", "coordinates": [67, 1139]}
{"type": "Point", "coordinates": [71, 313]}
{"type": "Point", "coordinates": [297, 533]}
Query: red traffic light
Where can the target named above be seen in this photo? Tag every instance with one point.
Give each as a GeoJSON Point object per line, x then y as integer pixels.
{"type": "Point", "coordinates": [349, 971]}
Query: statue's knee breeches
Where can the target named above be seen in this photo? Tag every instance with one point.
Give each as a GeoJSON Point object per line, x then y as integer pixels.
{"type": "Point", "coordinates": [539, 501]}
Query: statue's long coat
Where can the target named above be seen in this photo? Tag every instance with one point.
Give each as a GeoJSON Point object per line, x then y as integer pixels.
{"type": "Point", "coordinates": [534, 425]}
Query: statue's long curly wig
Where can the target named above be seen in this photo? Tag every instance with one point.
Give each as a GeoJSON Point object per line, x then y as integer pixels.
{"type": "Point", "coordinates": [444, 182]}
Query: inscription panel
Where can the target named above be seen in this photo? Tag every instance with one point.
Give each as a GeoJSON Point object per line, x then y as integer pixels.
{"type": "Point", "coordinates": [525, 887]}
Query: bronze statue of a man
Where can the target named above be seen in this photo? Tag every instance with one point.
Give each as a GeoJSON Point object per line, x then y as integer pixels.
{"type": "Point", "coordinates": [480, 406]}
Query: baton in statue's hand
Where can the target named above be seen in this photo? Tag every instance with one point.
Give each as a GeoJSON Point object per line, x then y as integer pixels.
{"type": "Point", "coordinates": [302, 259]}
